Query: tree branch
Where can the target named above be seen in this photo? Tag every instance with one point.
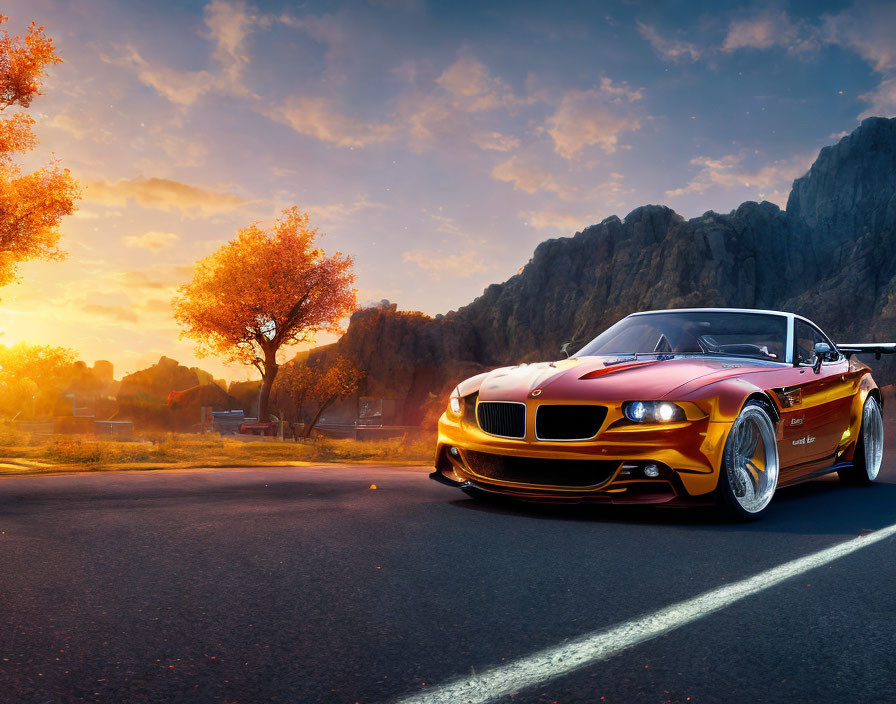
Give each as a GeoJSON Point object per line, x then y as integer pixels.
{"type": "Point", "coordinates": [290, 323]}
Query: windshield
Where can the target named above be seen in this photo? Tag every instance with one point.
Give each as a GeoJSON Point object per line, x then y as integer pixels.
{"type": "Point", "coordinates": [754, 335]}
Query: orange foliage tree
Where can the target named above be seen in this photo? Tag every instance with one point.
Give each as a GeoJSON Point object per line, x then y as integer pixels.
{"type": "Point", "coordinates": [298, 384]}
{"type": "Point", "coordinates": [32, 377]}
{"type": "Point", "coordinates": [31, 205]}
{"type": "Point", "coordinates": [264, 290]}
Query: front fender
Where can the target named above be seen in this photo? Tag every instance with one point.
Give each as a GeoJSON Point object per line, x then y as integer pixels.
{"type": "Point", "coordinates": [723, 400]}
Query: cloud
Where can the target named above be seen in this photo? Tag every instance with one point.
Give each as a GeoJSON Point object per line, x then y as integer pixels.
{"type": "Point", "coordinates": [162, 194]}
{"type": "Point", "coordinates": [450, 110]}
{"type": "Point", "coordinates": [332, 32]}
{"type": "Point", "coordinates": [556, 220]}
{"type": "Point", "coordinates": [455, 265]}
{"type": "Point", "coordinates": [595, 117]}
{"type": "Point", "coordinates": [180, 150]}
{"type": "Point", "coordinates": [882, 100]}
{"type": "Point", "coordinates": [319, 118]}
{"type": "Point", "coordinates": [770, 29]}
{"type": "Point", "coordinates": [78, 126]}
{"type": "Point", "coordinates": [228, 26]}
{"type": "Point", "coordinates": [771, 182]}
{"type": "Point", "coordinates": [151, 241]}
{"type": "Point", "coordinates": [495, 141]}
{"type": "Point", "coordinates": [336, 212]}
{"type": "Point", "coordinates": [458, 105]}
{"type": "Point", "coordinates": [866, 28]}
{"type": "Point", "coordinates": [181, 87]}
{"type": "Point", "coordinates": [674, 50]}
{"type": "Point", "coordinates": [153, 279]}
{"type": "Point", "coordinates": [124, 314]}
{"type": "Point", "coordinates": [469, 78]}
{"type": "Point", "coordinates": [530, 178]}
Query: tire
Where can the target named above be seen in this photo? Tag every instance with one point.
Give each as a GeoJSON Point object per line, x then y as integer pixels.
{"type": "Point", "coordinates": [869, 448]}
{"type": "Point", "coordinates": [748, 476]}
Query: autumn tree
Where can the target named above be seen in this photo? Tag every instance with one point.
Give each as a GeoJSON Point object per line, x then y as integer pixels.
{"type": "Point", "coordinates": [299, 386]}
{"type": "Point", "coordinates": [31, 205]}
{"type": "Point", "coordinates": [340, 379]}
{"type": "Point", "coordinates": [32, 377]}
{"type": "Point", "coordinates": [264, 290]}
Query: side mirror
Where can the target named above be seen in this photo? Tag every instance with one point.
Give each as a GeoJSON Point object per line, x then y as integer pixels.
{"type": "Point", "coordinates": [822, 350]}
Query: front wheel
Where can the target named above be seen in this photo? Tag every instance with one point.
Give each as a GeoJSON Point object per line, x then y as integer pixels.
{"type": "Point", "coordinates": [749, 472]}
{"type": "Point", "coordinates": [869, 450]}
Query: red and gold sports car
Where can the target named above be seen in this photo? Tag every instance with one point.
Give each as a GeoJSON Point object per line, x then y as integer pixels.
{"type": "Point", "coordinates": [670, 407]}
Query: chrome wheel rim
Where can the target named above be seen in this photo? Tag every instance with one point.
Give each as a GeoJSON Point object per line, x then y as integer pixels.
{"type": "Point", "coordinates": [752, 465]}
{"type": "Point", "coordinates": [873, 437]}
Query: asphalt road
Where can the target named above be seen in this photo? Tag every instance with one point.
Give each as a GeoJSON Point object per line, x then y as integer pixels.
{"type": "Point", "coordinates": [305, 585]}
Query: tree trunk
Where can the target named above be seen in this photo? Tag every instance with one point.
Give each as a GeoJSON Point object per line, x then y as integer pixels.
{"type": "Point", "coordinates": [320, 412]}
{"type": "Point", "coordinates": [267, 383]}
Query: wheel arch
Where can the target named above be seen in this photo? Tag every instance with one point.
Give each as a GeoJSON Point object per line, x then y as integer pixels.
{"type": "Point", "coordinates": [766, 400]}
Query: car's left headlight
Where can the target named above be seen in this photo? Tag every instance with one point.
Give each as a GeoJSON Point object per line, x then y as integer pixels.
{"type": "Point", "coordinates": [653, 412]}
{"type": "Point", "coordinates": [454, 404]}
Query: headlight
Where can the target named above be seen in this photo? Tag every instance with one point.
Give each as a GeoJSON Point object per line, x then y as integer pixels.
{"type": "Point", "coordinates": [454, 402]}
{"type": "Point", "coordinates": [653, 412]}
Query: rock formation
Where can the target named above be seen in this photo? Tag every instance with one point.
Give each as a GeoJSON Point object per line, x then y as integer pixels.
{"type": "Point", "coordinates": [159, 380]}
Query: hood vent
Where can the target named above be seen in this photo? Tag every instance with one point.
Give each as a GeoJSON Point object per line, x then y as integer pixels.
{"type": "Point", "coordinates": [506, 419]}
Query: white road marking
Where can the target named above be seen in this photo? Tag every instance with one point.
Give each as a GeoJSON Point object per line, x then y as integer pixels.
{"type": "Point", "coordinates": [593, 647]}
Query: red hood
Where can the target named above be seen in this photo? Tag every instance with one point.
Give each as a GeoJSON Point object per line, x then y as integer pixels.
{"type": "Point", "coordinates": [641, 379]}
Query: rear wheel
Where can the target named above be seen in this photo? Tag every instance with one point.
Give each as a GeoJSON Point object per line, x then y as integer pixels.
{"type": "Point", "coordinates": [748, 476]}
{"type": "Point", "coordinates": [869, 447]}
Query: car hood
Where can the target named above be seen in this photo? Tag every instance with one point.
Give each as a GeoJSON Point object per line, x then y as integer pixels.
{"type": "Point", "coordinates": [592, 378]}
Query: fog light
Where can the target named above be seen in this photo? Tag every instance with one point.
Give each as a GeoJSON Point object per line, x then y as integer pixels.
{"type": "Point", "coordinates": [651, 471]}
{"type": "Point", "coordinates": [454, 452]}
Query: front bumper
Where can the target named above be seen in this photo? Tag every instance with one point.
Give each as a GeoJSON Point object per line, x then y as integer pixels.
{"type": "Point", "coordinates": [687, 453]}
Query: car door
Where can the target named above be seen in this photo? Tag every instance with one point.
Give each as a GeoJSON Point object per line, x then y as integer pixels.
{"type": "Point", "coordinates": [819, 404]}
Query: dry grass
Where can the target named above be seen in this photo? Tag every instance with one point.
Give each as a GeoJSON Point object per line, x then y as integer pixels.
{"type": "Point", "coordinates": [22, 452]}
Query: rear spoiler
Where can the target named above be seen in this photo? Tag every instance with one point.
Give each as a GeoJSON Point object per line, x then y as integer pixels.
{"type": "Point", "coordinates": [875, 348]}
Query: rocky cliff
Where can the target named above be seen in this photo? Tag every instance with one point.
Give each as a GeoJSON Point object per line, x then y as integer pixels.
{"type": "Point", "coordinates": [830, 256]}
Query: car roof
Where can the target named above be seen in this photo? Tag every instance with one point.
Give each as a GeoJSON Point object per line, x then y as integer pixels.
{"type": "Point", "coordinates": [715, 310]}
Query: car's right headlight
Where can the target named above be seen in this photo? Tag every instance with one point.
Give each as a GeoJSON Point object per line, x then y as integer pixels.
{"type": "Point", "coordinates": [653, 412]}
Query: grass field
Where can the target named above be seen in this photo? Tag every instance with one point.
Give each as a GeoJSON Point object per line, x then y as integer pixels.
{"type": "Point", "coordinates": [27, 453]}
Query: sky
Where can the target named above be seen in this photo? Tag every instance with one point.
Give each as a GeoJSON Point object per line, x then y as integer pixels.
{"type": "Point", "coordinates": [436, 142]}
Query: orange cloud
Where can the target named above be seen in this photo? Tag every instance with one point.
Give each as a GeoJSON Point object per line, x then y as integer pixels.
{"type": "Point", "coordinates": [674, 50]}
{"type": "Point", "coordinates": [319, 118]}
{"type": "Point", "coordinates": [163, 194]}
{"type": "Point", "coordinates": [771, 182]}
{"type": "Point", "coordinates": [595, 117]}
{"type": "Point", "coordinates": [495, 141]}
{"type": "Point", "coordinates": [556, 220]}
{"type": "Point", "coordinates": [770, 29]}
{"type": "Point", "coordinates": [125, 314]}
{"type": "Point", "coordinates": [454, 265]}
{"type": "Point", "coordinates": [530, 178]}
{"type": "Point", "coordinates": [151, 241]}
